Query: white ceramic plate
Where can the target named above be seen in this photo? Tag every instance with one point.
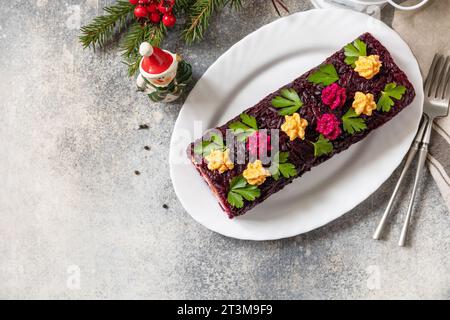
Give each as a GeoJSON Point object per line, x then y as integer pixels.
{"type": "Point", "coordinates": [260, 63]}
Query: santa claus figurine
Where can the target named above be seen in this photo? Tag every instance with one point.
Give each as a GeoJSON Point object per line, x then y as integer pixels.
{"type": "Point", "coordinates": [163, 75]}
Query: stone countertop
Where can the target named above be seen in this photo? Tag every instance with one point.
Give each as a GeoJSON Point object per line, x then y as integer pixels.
{"type": "Point", "coordinates": [77, 222]}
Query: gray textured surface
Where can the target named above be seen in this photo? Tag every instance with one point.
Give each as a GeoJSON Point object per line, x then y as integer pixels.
{"type": "Point", "coordinates": [70, 203]}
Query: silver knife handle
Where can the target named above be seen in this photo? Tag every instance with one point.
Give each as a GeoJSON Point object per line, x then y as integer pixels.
{"type": "Point", "coordinates": [411, 154]}
{"type": "Point", "coordinates": [410, 157]}
{"type": "Point", "coordinates": [420, 165]}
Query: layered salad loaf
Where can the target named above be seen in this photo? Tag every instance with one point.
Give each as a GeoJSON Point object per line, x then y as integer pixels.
{"type": "Point", "coordinates": [319, 114]}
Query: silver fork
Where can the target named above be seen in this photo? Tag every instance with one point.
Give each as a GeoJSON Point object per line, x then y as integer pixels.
{"type": "Point", "coordinates": [436, 105]}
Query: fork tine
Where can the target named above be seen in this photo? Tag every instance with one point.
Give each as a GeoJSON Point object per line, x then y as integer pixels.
{"type": "Point", "coordinates": [445, 94]}
{"type": "Point", "coordinates": [437, 75]}
{"type": "Point", "coordinates": [441, 79]}
{"type": "Point", "coordinates": [430, 75]}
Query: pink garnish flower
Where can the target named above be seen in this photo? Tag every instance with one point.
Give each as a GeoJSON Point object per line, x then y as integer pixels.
{"type": "Point", "coordinates": [334, 96]}
{"type": "Point", "coordinates": [258, 143]}
{"type": "Point", "coordinates": [328, 125]}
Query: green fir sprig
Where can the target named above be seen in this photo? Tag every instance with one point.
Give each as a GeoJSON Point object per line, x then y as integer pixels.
{"type": "Point", "coordinates": [103, 28]}
{"type": "Point", "coordinates": [199, 17]}
{"type": "Point", "coordinates": [120, 17]}
{"type": "Point", "coordinates": [183, 5]}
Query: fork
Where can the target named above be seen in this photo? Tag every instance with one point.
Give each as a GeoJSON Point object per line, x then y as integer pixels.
{"type": "Point", "coordinates": [436, 105]}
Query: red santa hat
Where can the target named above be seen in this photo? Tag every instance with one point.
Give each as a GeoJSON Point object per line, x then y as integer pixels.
{"type": "Point", "coordinates": [155, 61]}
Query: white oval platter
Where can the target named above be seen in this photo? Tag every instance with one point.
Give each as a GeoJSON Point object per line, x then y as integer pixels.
{"type": "Point", "coordinates": [260, 63]}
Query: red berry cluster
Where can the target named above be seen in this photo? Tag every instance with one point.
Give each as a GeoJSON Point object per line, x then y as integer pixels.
{"type": "Point", "coordinates": [155, 11]}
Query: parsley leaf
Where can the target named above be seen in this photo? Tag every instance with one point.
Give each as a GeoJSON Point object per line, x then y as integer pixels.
{"type": "Point", "coordinates": [235, 199]}
{"type": "Point", "coordinates": [249, 193]}
{"type": "Point", "coordinates": [240, 190]}
{"type": "Point", "coordinates": [287, 170]}
{"type": "Point", "coordinates": [238, 182]}
{"type": "Point", "coordinates": [204, 148]}
{"type": "Point", "coordinates": [353, 51]}
{"type": "Point", "coordinates": [244, 128]}
{"type": "Point", "coordinates": [288, 103]}
{"type": "Point", "coordinates": [391, 90]}
{"type": "Point", "coordinates": [322, 146]}
{"type": "Point", "coordinates": [326, 75]}
{"type": "Point", "coordinates": [280, 165]}
{"type": "Point", "coordinates": [352, 122]}
{"type": "Point", "coordinates": [283, 157]}
{"type": "Point", "coordinates": [249, 120]}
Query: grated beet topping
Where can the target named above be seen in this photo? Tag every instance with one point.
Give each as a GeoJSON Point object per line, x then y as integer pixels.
{"type": "Point", "coordinates": [334, 96]}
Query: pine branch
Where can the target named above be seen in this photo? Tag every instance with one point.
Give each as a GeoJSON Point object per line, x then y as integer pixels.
{"type": "Point", "coordinates": [133, 65]}
{"type": "Point", "coordinates": [199, 16]}
{"type": "Point", "coordinates": [183, 5]}
{"type": "Point", "coordinates": [275, 4]}
{"type": "Point", "coordinates": [132, 40]}
{"type": "Point", "coordinates": [198, 19]}
{"type": "Point", "coordinates": [235, 4]}
{"type": "Point", "coordinates": [102, 28]}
